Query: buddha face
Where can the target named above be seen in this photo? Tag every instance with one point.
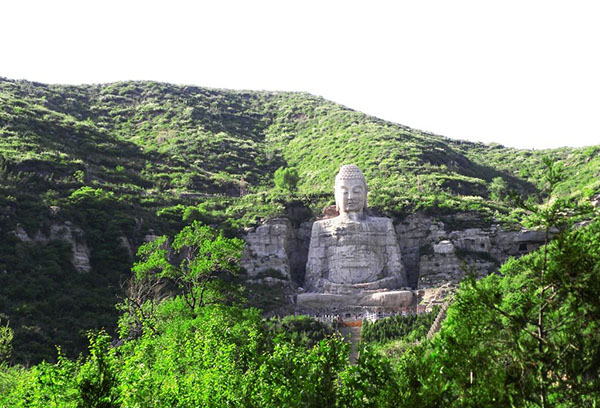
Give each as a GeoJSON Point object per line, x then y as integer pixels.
{"type": "Point", "coordinates": [350, 196]}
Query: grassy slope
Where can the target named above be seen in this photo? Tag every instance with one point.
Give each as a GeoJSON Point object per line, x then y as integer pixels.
{"type": "Point", "coordinates": [146, 151]}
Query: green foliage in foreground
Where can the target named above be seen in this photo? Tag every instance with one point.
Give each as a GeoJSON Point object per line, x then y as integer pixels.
{"type": "Point", "coordinates": [175, 352]}
{"type": "Point", "coordinates": [528, 337]}
{"type": "Point", "coordinates": [199, 261]}
{"type": "Point", "coordinates": [225, 356]}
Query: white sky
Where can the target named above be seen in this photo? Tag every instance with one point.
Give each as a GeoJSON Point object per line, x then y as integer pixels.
{"type": "Point", "coordinates": [521, 73]}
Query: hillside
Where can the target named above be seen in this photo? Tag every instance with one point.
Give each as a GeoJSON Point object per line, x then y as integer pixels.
{"type": "Point", "coordinates": [114, 163]}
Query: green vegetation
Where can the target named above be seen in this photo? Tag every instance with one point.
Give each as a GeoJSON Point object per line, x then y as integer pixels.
{"type": "Point", "coordinates": [190, 354]}
{"type": "Point", "coordinates": [527, 337]}
{"type": "Point", "coordinates": [488, 353]}
{"type": "Point", "coordinates": [286, 179]}
{"type": "Point", "coordinates": [494, 350]}
{"type": "Point", "coordinates": [6, 337]}
{"type": "Point", "coordinates": [199, 262]}
{"type": "Point", "coordinates": [125, 160]}
{"type": "Point", "coordinates": [410, 328]}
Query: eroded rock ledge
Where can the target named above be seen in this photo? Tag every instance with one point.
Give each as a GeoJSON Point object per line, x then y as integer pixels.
{"type": "Point", "coordinates": [433, 254]}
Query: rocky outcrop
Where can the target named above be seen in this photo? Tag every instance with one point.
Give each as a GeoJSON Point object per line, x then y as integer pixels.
{"type": "Point", "coordinates": [434, 256]}
{"type": "Point", "coordinates": [269, 250]}
{"type": "Point", "coordinates": [126, 245]}
{"type": "Point", "coordinates": [63, 232]}
{"type": "Point", "coordinates": [432, 253]}
{"type": "Point", "coordinates": [415, 233]}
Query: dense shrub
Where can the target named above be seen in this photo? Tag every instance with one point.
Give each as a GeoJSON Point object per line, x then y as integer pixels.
{"type": "Point", "coordinates": [411, 327]}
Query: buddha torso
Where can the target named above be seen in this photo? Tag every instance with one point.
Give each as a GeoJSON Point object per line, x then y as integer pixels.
{"type": "Point", "coordinates": [349, 252]}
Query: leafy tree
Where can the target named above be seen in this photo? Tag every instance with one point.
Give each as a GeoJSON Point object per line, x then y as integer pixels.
{"type": "Point", "coordinates": [53, 385]}
{"type": "Point", "coordinates": [6, 337]}
{"type": "Point", "coordinates": [410, 327]}
{"type": "Point", "coordinates": [559, 214]}
{"type": "Point", "coordinates": [199, 261]}
{"type": "Point", "coordinates": [372, 382]}
{"type": "Point", "coordinates": [498, 189]}
{"type": "Point", "coordinates": [301, 330]}
{"type": "Point", "coordinates": [292, 376]}
{"type": "Point", "coordinates": [286, 178]}
{"type": "Point", "coordinates": [529, 336]}
{"type": "Point", "coordinates": [97, 380]}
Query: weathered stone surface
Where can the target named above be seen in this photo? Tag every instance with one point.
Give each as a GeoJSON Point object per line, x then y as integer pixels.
{"type": "Point", "coordinates": [347, 252]}
{"type": "Point", "coordinates": [389, 299]}
{"type": "Point", "coordinates": [429, 261]}
{"type": "Point", "coordinates": [150, 236]}
{"type": "Point", "coordinates": [353, 258]}
{"type": "Point", "coordinates": [269, 249]}
{"type": "Point", "coordinates": [321, 301]}
{"type": "Point", "coordinates": [428, 298]}
{"type": "Point", "coordinates": [414, 233]}
{"type": "Point", "coordinates": [472, 239]}
{"type": "Point", "coordinates": [441, 268]}
{"type": "Point", "coordinates": [476, 250]}
{"type": "Point", "coordinates": [124, 242]}
{"type": "Point", "coordinates": [21, 233]}
{"type": "Point", "coordinates": [381, 299]}
{"type": "Point", "coordinates": [351, 254]}
{"type": "Point", "coordinates": [75, 236]}
{"type": "Point", "coordinates": [299, 251]}
{"type": "Point", "coordinates": [444, 247]}
{"type": "Point", "coordinates": [420, 240]}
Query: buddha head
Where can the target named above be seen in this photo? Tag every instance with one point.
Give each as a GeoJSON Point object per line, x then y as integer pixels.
{"type": "Point", "coordinates": [350, 190]}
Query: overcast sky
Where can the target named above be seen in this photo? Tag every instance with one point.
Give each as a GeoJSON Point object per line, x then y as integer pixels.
{"type": "Point", "coordinates": [519, 73]}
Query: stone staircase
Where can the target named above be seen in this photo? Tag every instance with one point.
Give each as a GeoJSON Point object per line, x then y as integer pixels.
{"type": "Point", "coordinates": [437, 323]}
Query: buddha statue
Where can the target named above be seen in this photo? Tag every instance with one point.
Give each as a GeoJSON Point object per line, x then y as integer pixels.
{"type": "Point", "coordinates": [354, 252]}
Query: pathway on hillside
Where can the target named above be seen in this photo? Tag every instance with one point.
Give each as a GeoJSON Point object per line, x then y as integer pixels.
{"type": "Point", "coordinates": [352, 333]}
{"type": "Point", "coordinates": [437, 323]}
{"type": "Point", "coordinates": [351, 330]}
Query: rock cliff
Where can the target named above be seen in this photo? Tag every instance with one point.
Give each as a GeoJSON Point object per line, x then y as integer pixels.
{"type": "Point", "coordinates": [433, 253]}
{"type": "Point", "coordinates": [63, 232]}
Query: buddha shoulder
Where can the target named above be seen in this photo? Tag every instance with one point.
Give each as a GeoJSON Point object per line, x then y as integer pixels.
{"type": "Point", "coordinates": [380, 223]}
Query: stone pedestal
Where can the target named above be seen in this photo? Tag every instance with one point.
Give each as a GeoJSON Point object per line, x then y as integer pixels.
{"type": "Point", "coordinates": [387, 300]}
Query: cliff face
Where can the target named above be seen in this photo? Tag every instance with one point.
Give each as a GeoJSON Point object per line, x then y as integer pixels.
{"type": "Point", "coordinates": [67, 232]}
{"type": "Point", "coordinates": [433, 253]}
